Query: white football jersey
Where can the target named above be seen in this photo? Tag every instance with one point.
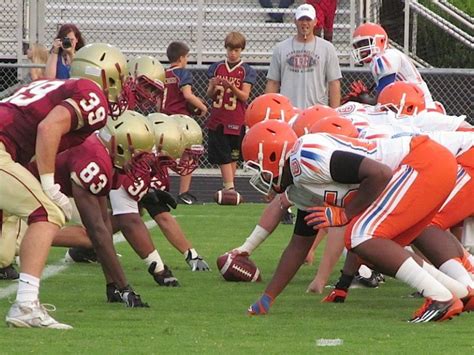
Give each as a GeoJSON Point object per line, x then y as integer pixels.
{"type": "Point", "coordinates": [392, 61]}
{"type": "Point", "coordinates": [310, 164]}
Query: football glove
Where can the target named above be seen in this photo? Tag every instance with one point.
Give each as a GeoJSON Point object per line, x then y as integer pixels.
{"type": "Point", "coordinates": [336, 296]}
{"type": "Point", "coordinates": [131, 298]}
{"type": "Point", "coordinates": [61, 200]}
{"type": "Point", "coordinates": [328, 216]}
{"type": "Point", "coordinates": [155, 196]}
{"type": "Point", "coordinates": [261, 307]}
{"type": "Point", "coordinates": [358, 93]}
{"type": "Point", "coordinates": [164, 277]}
{"type": "Point", "coordinates": [195, 261]}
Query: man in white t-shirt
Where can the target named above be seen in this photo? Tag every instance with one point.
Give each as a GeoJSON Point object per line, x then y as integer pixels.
{"type": "Point", "coordinates": [305, 68]}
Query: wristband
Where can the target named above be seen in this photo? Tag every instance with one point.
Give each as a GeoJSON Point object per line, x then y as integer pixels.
{"type": "Point", "coordinates": [47, 181]}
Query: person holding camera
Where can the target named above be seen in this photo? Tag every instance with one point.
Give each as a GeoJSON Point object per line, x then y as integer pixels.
{"type": "Point", "coordinates": [67, 42]}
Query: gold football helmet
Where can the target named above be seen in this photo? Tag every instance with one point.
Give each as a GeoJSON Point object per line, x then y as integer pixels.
{"type": "Point", "coordinates": [192, 132]}
{"type": "Point", "coordinates": [126, 137]}
{"type": "Point", "coordinates": [148, 81]}
{"type": "Point", "coordinates": [107, 66]}
{"type": "Point", "coordinates": [168, 135]}
{"type": "Point", "coordinates": [192, 140]}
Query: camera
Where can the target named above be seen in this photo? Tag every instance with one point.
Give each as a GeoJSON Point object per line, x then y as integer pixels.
{"type": "Point", "coordinates": [66, 43]}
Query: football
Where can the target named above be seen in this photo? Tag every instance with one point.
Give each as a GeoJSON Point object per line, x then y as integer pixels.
{"type": "Point", "coordinates": [237, 267]}
{"type": "Point", "coordinates": [228, 197]}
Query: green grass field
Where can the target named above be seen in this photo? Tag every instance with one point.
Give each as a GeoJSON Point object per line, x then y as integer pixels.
{"type": "Point", "coordinates": [207, 315]}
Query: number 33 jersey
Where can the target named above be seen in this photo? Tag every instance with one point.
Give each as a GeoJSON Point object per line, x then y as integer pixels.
{"type": "Point", "coordinates": [88, 165]}
{"type": "Point", "coordinates": [21, 113]}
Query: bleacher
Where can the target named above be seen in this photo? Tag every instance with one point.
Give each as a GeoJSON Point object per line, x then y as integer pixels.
{"type": "Point", "coordinates": [147, 27]}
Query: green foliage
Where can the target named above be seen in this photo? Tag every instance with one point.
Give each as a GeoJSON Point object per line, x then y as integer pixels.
{"type": "Point", "coordinates": [465, 5]}
{"type": "Point", "coordinates": [208, 315]}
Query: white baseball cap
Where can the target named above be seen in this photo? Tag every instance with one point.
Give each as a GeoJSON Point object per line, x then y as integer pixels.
{"type": "Point", "coordinates": [305, 10]}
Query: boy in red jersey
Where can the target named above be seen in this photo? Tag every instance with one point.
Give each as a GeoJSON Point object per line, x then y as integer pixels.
{"type": "Point", "coordinates": [230, 82]}
{"type": "Point", "coordinates": [179, 99]}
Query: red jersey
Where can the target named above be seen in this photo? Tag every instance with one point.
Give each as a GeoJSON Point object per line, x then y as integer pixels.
{"type": "Point", "coordinates": [173, 99]}
{"type": "Point", "coordinates": [139, 187]}
{"type": "Point", "coordinates": [226, 109]}
{"type": "Point", "coordinates": [89, 165]}
{"type": "Point", "coordinates": [21, 113]}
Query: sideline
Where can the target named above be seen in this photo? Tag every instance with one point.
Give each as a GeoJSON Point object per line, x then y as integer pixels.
{"type": "Point", "coordinates": [61, 265]}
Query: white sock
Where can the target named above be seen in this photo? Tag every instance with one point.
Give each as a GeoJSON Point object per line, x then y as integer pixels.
{"type": "Point", "coordinates": [413, 274]}
{"type": "Point", "coordinates": [255, 238]}
{"type": "Point", "coordinates": [456, 288]}
{"type": "Point", "coordinates": [28, 288]}
{"type": "Point", "coordinates": [155, 257]}
{"type": "Point", "coordinates": [456, 270]}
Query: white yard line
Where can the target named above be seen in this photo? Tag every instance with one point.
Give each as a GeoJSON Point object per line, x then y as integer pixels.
{"type": "Point", "coordinates": [60, 265]}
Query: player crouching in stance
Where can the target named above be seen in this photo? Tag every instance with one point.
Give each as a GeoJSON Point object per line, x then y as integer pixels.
{"type": "Point", "coordinates": [389, 176]}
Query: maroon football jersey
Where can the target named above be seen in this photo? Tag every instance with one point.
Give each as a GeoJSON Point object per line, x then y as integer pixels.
{"type": "Point", "coordinates": [89, 165]}
{"type": "Point", "coordinates": [21, 113]}
{"type": "Point", "coordinates": [226, 109]}
{"type": "Point", "coordinates": [136, 188]}
{"type": "Point", "coordinates": [173, 99]}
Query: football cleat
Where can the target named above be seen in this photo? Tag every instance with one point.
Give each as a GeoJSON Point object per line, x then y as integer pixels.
{"type": "Point", "coordinates": [371, 281]}
{"type": "Point", "coordinates": [187, 198]}
{"type": "Point", "coordinates": [436, 311]}
{"type": "Point", "coordinates": [164, 277]}
{"type": "Point", "coordinates": [261, 307]}
{"type": "Point", "coordinates": [8, 273]}
{"type": "Point", "coordinates": [287, 218]}
{"type": "Point", "coordinates": [113, 293]}
{"type": "Point", "coordinates": [468, 301]}
{"type": "Point", "coordinates": [80, 255]}
{"type": "Point", "coordinates": [32, 315]}
{"type": "Point", "coordinates": [336, 296]}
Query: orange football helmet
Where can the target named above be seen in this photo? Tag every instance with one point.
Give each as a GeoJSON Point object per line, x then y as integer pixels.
{"type": "Point", "coordinates": [265, 148]}
{"type": "Point", "coordinates": [368, 40]}
{"type": "Point", "coordinates": [310, 116]}
{"type": "Point", "coordinates": [269, 106]}
{"type": "Point", "coordinates": [402, 97]}
{"type": "Point", "coordinates": [335, 125]}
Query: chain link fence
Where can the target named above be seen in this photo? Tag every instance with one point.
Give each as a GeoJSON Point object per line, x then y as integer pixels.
{"type": "Point", "coordinates": [452, 87]}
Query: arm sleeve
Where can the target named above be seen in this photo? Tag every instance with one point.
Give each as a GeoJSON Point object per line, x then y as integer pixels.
{"type": "Point", "coordinates": [274, 72]}
{"type": "Point", "coordinates": [333, 68]}
{"type": "Point", "coordinates": [384, 81]}
{"type": "Point", "coordinates": [344, 167]}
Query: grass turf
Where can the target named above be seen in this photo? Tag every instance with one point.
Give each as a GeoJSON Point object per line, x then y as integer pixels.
{"type": "Point", "coordinates": [208, 315]}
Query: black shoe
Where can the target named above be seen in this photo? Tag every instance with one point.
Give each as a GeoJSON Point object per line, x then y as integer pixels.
{"type": "Point", "coordinates": [370, 281]}
{"type": "Point", "coordinates": [164, 277]}
{"type": "Point", "coordinates": [80, 255]}
{"type": "Point", "coordinates": [287, 218]}
{"type": "Point", "coordinates": [187, 198]}
{"type": "Point", "coordinates": [9, 273]}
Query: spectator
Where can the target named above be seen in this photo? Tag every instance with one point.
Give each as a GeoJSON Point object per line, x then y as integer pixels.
{"type": "Point", "coordinates": [276, 17]}
{"type": "Point", "coordinates": [325, 12]}
{"type": "Point", "coordinates": [230, 82]}
{"type": "Point", "coordinates": [37, 54]}
{"type": "Point", "coordinates": [305, 68]}
{"type": "Point", "coordinates": [178, 99]}
{"type": "Point", "coordinates": [67, 42]}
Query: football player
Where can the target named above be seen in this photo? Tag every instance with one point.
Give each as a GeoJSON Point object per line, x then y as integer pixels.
{"type": "Point", "coordinates": [387, 65]}
{"type": "Point", "coordinates": [39, 120]}
{"type": "Point", "coordinates": [388, 175]}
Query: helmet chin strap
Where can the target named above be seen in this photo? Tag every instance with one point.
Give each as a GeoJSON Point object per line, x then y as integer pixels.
{"type": "Point", "coordinates": [281, 164]}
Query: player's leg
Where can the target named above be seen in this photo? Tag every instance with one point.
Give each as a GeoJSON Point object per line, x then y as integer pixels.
{"type": "Point", "coordinates": [22, 195]}
{"type": "Point", "coordinates": [9, 233]}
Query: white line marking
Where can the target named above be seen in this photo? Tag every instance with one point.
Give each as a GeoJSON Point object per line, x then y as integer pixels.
{"type": "Point", "coordinates": [60, 265]}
